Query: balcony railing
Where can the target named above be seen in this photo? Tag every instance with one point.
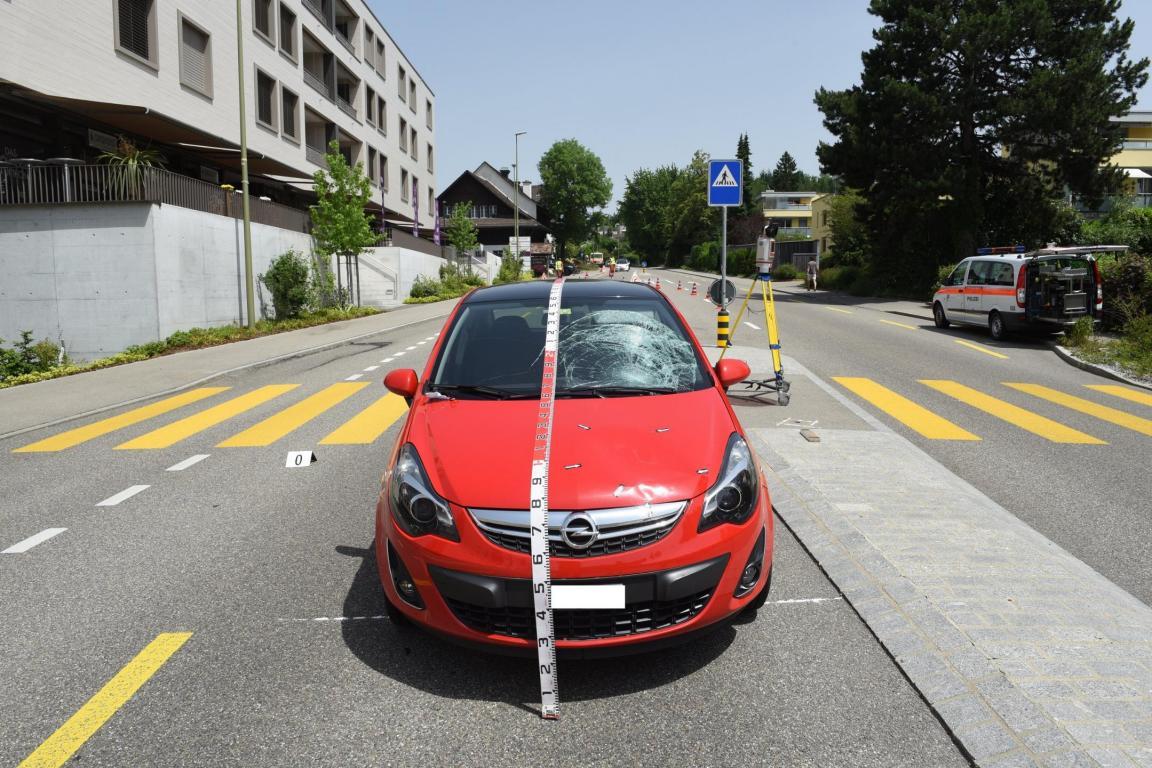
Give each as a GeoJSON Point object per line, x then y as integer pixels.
{"type": "Point", "coordinates": [787, 207]}
{"type": "Point", "coordinates": [317, 10]}
{"type": "Point", "coordinates": [1137, 144]}
{"type": "Point", "coordinates": [794, 232]}
{"type": "Point", "coordinates": [317, 83]}
{"type": "Point", "coordinates": [347, 108]}
{"type": "Point", "coordinates": [345, 42]}
{"type": "Point", "coordinates": [99, 184]}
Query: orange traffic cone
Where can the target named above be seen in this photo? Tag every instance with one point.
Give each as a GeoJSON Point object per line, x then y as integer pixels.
{"type": "Point", "coordinates": [658, 284]}
{"type": "Point", "coordinates": [694, 291]}
{"type": "Point", "coordinates": [678, 286]}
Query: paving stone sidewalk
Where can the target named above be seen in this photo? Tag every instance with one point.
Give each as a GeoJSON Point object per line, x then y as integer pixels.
{"type": "Point", "coordinates": [1030, 657]}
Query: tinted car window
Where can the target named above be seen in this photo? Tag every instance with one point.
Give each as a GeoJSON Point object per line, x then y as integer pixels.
{"type": "Point", "coordinates": [1001, 274]}
{"type": "Point", "coordinates": [979, 272]}
{"type": "Point", "coordinates": [605, 344]}
{"type": "Point", "coordinates": [957, 276]}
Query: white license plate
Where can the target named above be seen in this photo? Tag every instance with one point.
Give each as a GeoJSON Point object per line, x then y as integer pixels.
{"type": "Point", "coordinates": [587, 596]}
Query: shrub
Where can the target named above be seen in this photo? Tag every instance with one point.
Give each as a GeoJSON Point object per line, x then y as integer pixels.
{"type": "Point", "coordinates": [839, 278]}
{"type": "Point", "coordinates": [46, 355]}
{"type": "Point", "coordinates": [1135, 347]}
{"type": "Point", "coordinates": [785, 272]}
{"type": "Point", "coordinates": [287, 279]}
{"type": "Point", "coordinates": [511, 269]}
{"type": "Point", "coordinates": [1080, 332]}
{"type": "Point", "coordinates": [424, 286]}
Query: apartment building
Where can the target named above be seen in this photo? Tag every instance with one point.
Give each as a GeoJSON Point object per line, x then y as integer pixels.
{"type": "Point", "coordinates": [77, 76]}
{"type": "Point", "coordinates": [1135, 157]}
{"type": "Point", "coordinates": [792, 211]}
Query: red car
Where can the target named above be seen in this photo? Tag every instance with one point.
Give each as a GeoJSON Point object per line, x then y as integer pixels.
{"type": "Point", "coordinates": [652, 482]}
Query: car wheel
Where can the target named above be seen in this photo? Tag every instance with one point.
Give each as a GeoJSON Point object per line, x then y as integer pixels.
{"type": "Point", "coordinates": [939, 317]}
{"type": "Point", "coordinates": [996, 326]}
{"type": "Point", "coordinates": [758, 601]}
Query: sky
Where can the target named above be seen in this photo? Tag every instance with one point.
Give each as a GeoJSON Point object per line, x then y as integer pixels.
{"type": "Point", "coordinates": [640, 83]}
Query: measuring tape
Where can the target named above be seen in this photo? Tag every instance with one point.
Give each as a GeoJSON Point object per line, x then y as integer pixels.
{"type": "Point", "coordinates": [541, 554]}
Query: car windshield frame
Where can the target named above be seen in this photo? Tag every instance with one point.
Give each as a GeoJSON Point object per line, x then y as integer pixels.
{"type": "Point", "coordinates": [610, 346]}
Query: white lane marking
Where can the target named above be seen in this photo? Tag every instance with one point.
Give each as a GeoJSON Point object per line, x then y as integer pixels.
{"type": "Point", "coordinates": [371, 368]}
{"type": "Point", "coordinates": [124, 495]}
{"type": "Point", "coordinates": [397, 354]}
{"type": "Point", "coordinates": [409, 349]}
{"type": "Point", "coordinates": [432, 337]}
{"type": "Point", "coordinates": [805, 600]}
{"type": "Point", "coordinates": [380, 617]}
{"type": "Point", "coordinates": [354, 376]}
{"type": "Point", "coordinates": [188, 462]}
{"type": "Point", "coordinates": [750, 325]}
{"type": "Point", "coordinates": [32, 541]}
{"type": "Point", "coordinates": [387, 360]}
{"type": "Point", "coordinates": [421, 343]}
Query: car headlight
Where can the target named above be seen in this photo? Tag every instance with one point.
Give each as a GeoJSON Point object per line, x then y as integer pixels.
{"type": "Point", "coordinates": [418, 509]}
{"type": "Point", "coordinates": [733, 498]}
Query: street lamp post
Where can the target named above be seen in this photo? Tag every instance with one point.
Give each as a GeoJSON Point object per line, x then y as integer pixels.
{"type": "Point", "coordinates": [249, 288]}
{"type": "Point", "coordinates": [516, 198]}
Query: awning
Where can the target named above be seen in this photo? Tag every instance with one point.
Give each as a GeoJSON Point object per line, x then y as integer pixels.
{"type": "Point", "coordinates": [1136, 173]}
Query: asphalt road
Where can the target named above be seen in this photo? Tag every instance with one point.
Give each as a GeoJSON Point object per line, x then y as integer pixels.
{"type": "Point", "coordinates": [288, 661]}
{"type": "Point", "coordinates": [1093, 497]}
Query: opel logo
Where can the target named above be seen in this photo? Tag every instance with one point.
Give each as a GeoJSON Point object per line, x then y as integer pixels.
{"type": "Point", "coordinates": [579, 531]}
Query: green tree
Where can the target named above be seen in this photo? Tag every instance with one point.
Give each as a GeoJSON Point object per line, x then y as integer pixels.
{"type": "Point", "coordinates": [850, 242]}
{"type": "Point", "coordinates": [574, 183]}
{"type": "Point", "coordinates": [751, 204]}
{"type": "Point", "coordinates": [786, 176]}
{"type": "Point", "coordinates": [287, 280]}
{"type": "Point", "coordinates": [341, 225]}
{"type": "Point", "coordinates": [460, 229]}
{"type": "Point", "coordinates": [645, 209]}
{"type": "Point", "coordinates": [971, 119]}
{"type": "Point", "coordinates": [691, 220]}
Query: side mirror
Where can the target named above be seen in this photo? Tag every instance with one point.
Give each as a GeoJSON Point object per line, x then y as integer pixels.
{"type": "Point", "coordinates": [732, 372]}
{"type": "Point", "coordinates": [403, 382]}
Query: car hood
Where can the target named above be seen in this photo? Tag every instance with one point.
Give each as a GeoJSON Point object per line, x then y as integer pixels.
{"type": "Point", "coordinates": [606, 452]}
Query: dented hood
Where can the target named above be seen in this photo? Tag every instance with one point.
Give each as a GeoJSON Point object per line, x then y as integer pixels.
{"type": "Point", "coordinates": [606, 452]}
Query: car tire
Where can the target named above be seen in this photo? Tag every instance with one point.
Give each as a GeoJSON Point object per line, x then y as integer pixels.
{"type": "Point", "coordinates": [996, 326]}
{"type": "Point", "coordinates": [758, 601]}
{"type": "Point", "coordinates": [939, 317]}
{"type": "Point", "coordinates": [394, 614]}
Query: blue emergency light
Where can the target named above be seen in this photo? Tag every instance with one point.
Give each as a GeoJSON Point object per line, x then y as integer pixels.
{"type": "Point", "coordinates": [1000, 249]}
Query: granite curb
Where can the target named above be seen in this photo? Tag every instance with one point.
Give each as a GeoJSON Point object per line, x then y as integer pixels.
{"type": "Point", "coordinates": [1008, 694]}
{"type": "Point", "coordinates": [1067, 356]}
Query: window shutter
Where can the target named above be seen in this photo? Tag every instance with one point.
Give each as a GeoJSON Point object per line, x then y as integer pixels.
{"type": "Point", "coordinates": [194, 69]}
{"type": "Point", "coordinates": [134, 27]}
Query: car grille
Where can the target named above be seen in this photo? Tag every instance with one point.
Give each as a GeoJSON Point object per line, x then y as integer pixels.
{"type": "Point", "coordinates": [617, 530]}
{"type": "Point", "coordinates": [582, 624]}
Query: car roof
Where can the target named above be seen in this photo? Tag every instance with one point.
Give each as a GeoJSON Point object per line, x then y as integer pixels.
{"type": "Point", "coordinates": [538, 290]}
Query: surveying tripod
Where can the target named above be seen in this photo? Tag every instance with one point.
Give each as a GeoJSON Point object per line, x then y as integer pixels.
{"type": "Point", "coordinates": [765, 256]}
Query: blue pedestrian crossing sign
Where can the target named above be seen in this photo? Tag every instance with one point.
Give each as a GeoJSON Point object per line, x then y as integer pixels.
{"type": "Point", "coordinates": [725, 182]}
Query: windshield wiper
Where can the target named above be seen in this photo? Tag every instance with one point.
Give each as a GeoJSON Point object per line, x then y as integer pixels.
{"type": "Point", "coordinates": [614, 391]}
{"type": "Point", "coordinates": [479, 389]}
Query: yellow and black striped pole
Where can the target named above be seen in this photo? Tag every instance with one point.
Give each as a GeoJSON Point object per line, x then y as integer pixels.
{"type": "Point", "coordinates": [722, 328]}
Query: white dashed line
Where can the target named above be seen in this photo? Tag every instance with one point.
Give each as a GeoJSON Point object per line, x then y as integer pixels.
{"type": "Point", "coordinates": [371, 368]}
{"type": "Point", "coordinates": [752, 326]}
{"type": "Point", "coordinates": [124, 495]}
{"type": "Point", "coordinates": [188, 462]}
{"type": "Point", "coordinates": [31, 541]}
{"type": "Point", "coordinates": [397, 354]}
{"type": "Point", "coordinates": [421, 343]}
{"type": "Point", "coordinates": [387, 360]}
{"type": "Point", "coordinates": [805, 600]}
{"type": "Point", "coordinates": [380, 617]}
{"type": "Point", "coordinates": [409, 349]}
{"type": "Point", "coordinates": [353, 377]}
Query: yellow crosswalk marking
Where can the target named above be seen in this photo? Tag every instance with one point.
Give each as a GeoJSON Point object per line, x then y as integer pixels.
{"type": "Point", "coordinates": [275, 427]}
{"type": "Point", "coordinates": [58, 748]}
{"type": "Point", "coordinates": [1134, 395]}
{"type": "Point", "coordinates": [370, 423]}
{"type": "Point", "coordinates": [74, 437]}
{"type": "Point", "coordinates": [198, 422]}
{"type": "Point", "coordinates": [1026, 420]}
{"type": "Point", "coordinates": [1120, 418]}
{"type": "Point", "coordinates": [979, 348]}
{"type": "Point", "coordinates": [904, 410]}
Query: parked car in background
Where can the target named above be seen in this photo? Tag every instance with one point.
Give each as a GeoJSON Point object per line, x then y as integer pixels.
{"type": "Point", "coordinates": [1007, 289]}
{"type": "Point", "coordinates": [684, 524]}
{"type": "Point", "coordinates": [622, 265]}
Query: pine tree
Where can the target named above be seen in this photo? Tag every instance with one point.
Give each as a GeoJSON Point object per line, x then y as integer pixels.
{"type": "Point", "coordinates": [786, 177]}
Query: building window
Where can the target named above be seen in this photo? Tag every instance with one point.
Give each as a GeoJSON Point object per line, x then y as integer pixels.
{"type": "Point", "coordinates": [136, 29]}
{"type": "Point", "coordinates": [370, 104]}
{"type": "Point", "coordinates": [369, 47]}
{"type": "Point", "coordinates": [404, 191]}
{"type": "Point", "coordinates": [382, 115]}
{"type": "Point", "coordinates": [383, 172]}
{"type": "Point", "coordinates": [195, 57]}
{"type": "Point", "coordinates": [415, 190]}
{"type": "Point", "coordinates": [428, 114]}
{"type": "Point", "coordinates": [287, 32]}
{"type": "Point", "coordinates": [289, 114]}
{"type": "Point", "coordinates": [263, 19]}
{"type": "Point", "coordinates": [401, 83]}
{"type": "Point", "coordinates": [412, 96]}
{"type": "Point", "coordinates": [413, 148]}
{"type": "Point", "coordinates": [403, 136]}
{"type": "Point", "coordinates": [371, 170]}
{"type": "Point", "coordinates": [431, 160]}
{"type": "Point", "coordinates": [431, 202]}
{"type": "Point", "coordinates": [380, 59]}
{"type": "Point", "coordinates": [265, 100]}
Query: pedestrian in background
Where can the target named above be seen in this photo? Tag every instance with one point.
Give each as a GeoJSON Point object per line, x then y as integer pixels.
{"type": "Point", "coordinates": [812, 272]}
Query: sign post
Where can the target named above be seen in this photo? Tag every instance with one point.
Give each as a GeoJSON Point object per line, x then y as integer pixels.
{"type": "Point", "coordinates": [725, 190]}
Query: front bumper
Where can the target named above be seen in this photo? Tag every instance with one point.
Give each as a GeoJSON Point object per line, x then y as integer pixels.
{"type": "Point", "coordinates": [478, 593]}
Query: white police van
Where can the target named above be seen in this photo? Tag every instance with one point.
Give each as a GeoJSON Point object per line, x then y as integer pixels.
{"type": "Point", "coordinates": [1008, 289]}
